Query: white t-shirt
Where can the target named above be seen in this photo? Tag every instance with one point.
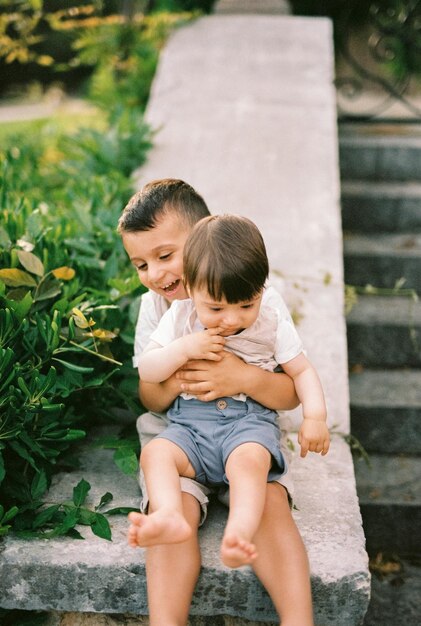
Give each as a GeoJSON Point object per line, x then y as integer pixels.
{"type": "Point", "coordinates": [271, 340]}
{"type": "Point", "coordinates": [152, 308]}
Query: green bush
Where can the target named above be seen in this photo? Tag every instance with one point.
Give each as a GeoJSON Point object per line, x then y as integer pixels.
{"type": "Point", "coordinates": [65, 296]}
{"type": "Point", "coordinates": [68, 298]}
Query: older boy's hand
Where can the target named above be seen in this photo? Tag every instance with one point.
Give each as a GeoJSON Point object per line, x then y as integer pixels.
{"type": "Point", "coordinates": [209, 380]}
{"type": "Point", "coordinates": [205, 344]}
{"type": "Point", "coordinates": [314, 436]}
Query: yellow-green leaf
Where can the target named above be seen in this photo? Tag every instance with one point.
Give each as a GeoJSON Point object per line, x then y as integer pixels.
{"type": "Point", "coordinates": [64, 273]}
{"type": "Point", "coordinates": [80, 319]}
{"type": "Point", "coordinates": [31, 262]}
{"type": "Point", "coordinates": [16, 278]}
{"type": "Point", "coordinates": [103, 335]}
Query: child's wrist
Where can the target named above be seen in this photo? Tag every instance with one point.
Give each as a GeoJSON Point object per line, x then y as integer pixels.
{"type": "Point", "coordinates": [315, 419]}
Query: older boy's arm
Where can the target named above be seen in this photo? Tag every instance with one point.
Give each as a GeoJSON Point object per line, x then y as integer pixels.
{"type": "Point", "coordinates": [314, 434]}
{"type": "Point", "coordinates": [159, 396]}
{"type": "Point", "coordinates": [209, 380]}
{"type": "Point", "coordinates": [274, 390]}
{"type": "Point", "coordinates": [157, 363]}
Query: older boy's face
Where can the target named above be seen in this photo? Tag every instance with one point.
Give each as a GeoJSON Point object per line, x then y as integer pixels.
{"type": "Point", "coordinates": [157, 255]}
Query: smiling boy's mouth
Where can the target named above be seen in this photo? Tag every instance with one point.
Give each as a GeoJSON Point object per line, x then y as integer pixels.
{"type": "Point", "coordinates": [171, 287]}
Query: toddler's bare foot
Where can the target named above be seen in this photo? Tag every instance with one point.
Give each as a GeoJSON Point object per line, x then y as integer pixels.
{"type": "Point", "coordinates": [161, 527]}
{"type": "Point", "coordinates": [236, 552]}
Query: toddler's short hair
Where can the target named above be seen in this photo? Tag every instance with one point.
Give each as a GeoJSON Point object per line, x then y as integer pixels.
{"type": "Point", "coordinates": [226, 255]}
{"type": "Point", "coordinates": [156, 199]}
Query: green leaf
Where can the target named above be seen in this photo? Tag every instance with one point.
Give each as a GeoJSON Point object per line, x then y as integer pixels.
{"type": "Point", "coordinates": [22, 307]}
{"type": "Point", "coordinates": [20, 450]}
{"type": "Point", "coordinates": [2, 468]}
{"type": "Point", "coordinates": [126, 460]}
{"type": "Point", "coordinates": [74, 534]}
{"type": "Point", "coordinates": [39, 485]}
{"type": "Point", "coordinates": [101, 527]}
{"type": "Point", "coordinates": [4, 239]}
{"type": "Point", "coordinates": [105, 499]}
{"type": "Point", "coordinates": [70, 520]}
{"type": "Point", "coordinates": [122, 510]}
{"type": "Point", "coordinates": [31, 262]}
{"type": "Point", "coordinates": [47, 290]}
{"type": "Point", "coordinates": [10, 514]}
{"type": "Point", "coordinates": [86, 516]}
{"type": "Point", "coordinates": [80, 492]}
{"type": "Point", "coordinates": [45, 516]}
{"type": "Point", "coordinates": [73, 367]}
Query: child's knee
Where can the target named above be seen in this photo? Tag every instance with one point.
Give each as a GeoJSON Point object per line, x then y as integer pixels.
{"type": "Point", "coordinates": [250, 456]}
{"type": "Point", "coordinates": [149, 452]}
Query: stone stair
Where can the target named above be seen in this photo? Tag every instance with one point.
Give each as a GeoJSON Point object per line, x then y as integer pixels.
{"type": "Point", "coordinates": [381, 214]}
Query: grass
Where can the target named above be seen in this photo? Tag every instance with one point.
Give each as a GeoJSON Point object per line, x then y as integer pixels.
{"type": "Point", "coordinates": [61, 120]}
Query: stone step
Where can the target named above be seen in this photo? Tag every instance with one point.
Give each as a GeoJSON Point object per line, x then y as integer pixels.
{"type": "Point", "coordinates": [373, 207]}
{"type": "Point", "coordinates": [389, 492]}
{"type": "Point", "coordinates": [384, 332]}
{"type": "Point", "coordinates": [395, 593]}
{"type": "Point", "coordinates": [386, 410]}
{"type": "Point", "coordinates": [109, 577]}
{"type": "Point", "coordinates": [380, 152]}
{"type": "Point", "coordinates": [383, 260]}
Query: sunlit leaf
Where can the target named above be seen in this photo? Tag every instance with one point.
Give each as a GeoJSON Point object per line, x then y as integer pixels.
{"type": "Point", "coordinates": [31, 262]}
{"type": "Point", "coordinates": [80, 319]}
{"type": "Point", "coordinates": [64, 273]}
{"type": "Point", "coordinates": [13, 277]}
{"type": "Point", "coordinates": [103, 335]}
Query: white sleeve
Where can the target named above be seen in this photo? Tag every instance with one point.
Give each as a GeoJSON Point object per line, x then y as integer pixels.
{"type": "Point", "coordinates": [147, 322]}
{"type": "Point", "coordinates": [166, 332]}
{"type": "Point", "coordinates": [288, 342]}
{"type": "Point", "coordinates": [274, 299]}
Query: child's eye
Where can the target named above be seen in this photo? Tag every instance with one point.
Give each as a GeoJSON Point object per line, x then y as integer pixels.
{"type": "Point", "coordinates": [246, 306]}
{"type": "Point", "coordinates": [142, 268]}
{"type": "Point", "coordinates": [215, 309]}
{"type": "Point", "coordinates": [163, 257]}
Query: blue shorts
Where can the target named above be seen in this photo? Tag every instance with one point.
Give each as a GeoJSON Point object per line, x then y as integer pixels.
{"type": "Point", "coordinates": [209, 431]}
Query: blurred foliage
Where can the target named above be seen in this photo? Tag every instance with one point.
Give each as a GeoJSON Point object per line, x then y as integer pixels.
{"type": "Point", "coordinates": [68, 297]}
{"type": "Point", "coordinates": [392, 26]}
{"type": "Point", "coordinates": [64, 40]}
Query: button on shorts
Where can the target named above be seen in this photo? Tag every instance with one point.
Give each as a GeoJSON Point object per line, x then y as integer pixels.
{"type": "Point", "coordinates": [209, 431]}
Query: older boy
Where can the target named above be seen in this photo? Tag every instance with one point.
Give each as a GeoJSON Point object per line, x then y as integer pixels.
{"type": "Point", "coordinates": [154, 227]}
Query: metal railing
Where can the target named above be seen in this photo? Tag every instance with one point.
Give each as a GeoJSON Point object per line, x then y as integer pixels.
{"type": "Point", "coordinates": [379, 61]}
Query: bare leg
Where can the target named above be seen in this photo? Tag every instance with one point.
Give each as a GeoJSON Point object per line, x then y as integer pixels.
{"type": "Point", "coordinates": [247, 469]}
{"type": "Point", "coordinates": [163, 462]}
{"type": "Point", "coordinates": [282, 563]}
{"type": "Point", "coordinates": [172, 572]}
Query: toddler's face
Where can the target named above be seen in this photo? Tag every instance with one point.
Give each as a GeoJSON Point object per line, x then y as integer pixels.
{"type": "Point", "coordinates": [157, 255]}
{"type": "Point", "coordinates": [232, 318]}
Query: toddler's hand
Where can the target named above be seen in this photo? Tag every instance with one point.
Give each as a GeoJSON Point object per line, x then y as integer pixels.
{"type": "Point", "coordinates": [314, 437]}
{"type": "Point", "coordinates": [204, 345]}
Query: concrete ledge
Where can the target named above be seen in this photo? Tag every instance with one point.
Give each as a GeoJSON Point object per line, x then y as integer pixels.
{"type": "Point", "coordinates": [109, 577]}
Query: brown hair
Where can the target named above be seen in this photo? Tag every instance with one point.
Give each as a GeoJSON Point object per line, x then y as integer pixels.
{"type": "Point", "coordinates": [158, 198]}
{"type": "Point", "coordinates": [226, 255]}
